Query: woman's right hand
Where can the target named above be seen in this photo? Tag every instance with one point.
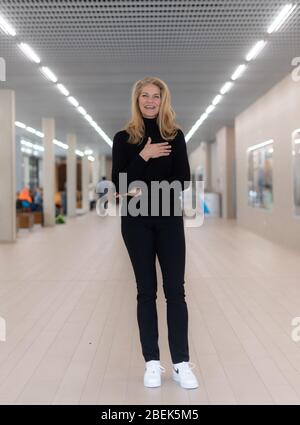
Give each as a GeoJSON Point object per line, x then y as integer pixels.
{"type": "Point", "coordinates": [155, 150]}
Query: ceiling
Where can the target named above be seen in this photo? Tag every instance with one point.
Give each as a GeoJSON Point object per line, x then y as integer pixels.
{"type": "Point", "coordinates": [99, 48]}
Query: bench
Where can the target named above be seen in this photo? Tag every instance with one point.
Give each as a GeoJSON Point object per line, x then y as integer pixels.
{"type": "Point", "coordinates": [25, 220]}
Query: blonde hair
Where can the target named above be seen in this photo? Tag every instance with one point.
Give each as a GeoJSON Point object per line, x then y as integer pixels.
{"type": "Point", "coordinates": [166, 116]}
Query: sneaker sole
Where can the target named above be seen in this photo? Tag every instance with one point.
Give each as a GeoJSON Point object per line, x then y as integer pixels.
{"type": "Point", "coordinates": [188, 387]}
{"type": "Point", "coordinates": [152, 385]}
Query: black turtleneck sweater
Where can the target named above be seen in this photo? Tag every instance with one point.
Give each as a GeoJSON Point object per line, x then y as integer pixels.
{"type": "Point", "coordinates": [173, 167]}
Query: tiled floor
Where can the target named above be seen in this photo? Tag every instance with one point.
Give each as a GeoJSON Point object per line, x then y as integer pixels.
{"type": "Point", "coordinates": [69, 300]}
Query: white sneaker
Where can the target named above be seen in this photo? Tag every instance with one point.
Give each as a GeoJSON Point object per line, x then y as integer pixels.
{"type": "Point", "coordinates": [182, 373]}
{"type": "Point", "coordinates": [152, 377]}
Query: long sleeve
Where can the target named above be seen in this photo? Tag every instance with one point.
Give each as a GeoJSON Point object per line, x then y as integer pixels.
{"type": "Point", "coordinates": [180, 164]}
{"type": "Point", "coordinates": [135, 168]}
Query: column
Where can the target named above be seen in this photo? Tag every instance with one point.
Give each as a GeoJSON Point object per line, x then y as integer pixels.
{"type": "Point", "coordinates": [96, 171]}
{"type": "Point", "coordinates": [226, 162]}
{"type": "Point", "coordinates": [71, 175]}
{"type": "Point", "coordinates": [48, 125]}
{"type": "Point", "coordinates": [26, 171]}
{"type": "Point", "coordinates": [85, 183]}
{"type": "Point", "coordinates": [19, 167]}
{"type": "Point", "coordinates": [7, 167]}
{"type": "Point", "coordinates": [102, 160]}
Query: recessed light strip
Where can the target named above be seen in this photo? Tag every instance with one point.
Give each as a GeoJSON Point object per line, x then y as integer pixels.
{"type": "Point", "coordinates": [29, 52]}
{"type": "Point", "coordinates": [252, 54]}
{"type": "Point", "coordinates": [6, 27]}
{"type": "Point", "coordinates": [63, 90]}
{"type": "Point", "coordinates": [283, 15]}
{"type": "Point", "coordinates": [238, 72]}
{"type": "Point", "coordinates": [58, 143]}
{"type": "Point", "coordinates": [49, 74]}
{"type": "Point", "coordinates": [46, 71]}
{"type": "Point", "coordinates": [256, 49]}
{"type": "Point", "coordinates": [52, 77]}
{"type": "Point", "coordinates": [260, 145]}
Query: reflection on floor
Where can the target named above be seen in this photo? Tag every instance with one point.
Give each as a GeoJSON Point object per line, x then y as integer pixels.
{"type": "Point", "coordinates": [69, 301]}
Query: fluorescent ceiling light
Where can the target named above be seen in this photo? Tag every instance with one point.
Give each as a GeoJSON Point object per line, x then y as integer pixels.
{"type": "Point", "coordinates": [6, 27]}
{"type": "Point", "coordinates": [88, 118]}
{"type": "Point", "coordinates": [203, 117]}
{"type": "Point", "coordinates": [209, 109]}
{"type": "Point", "coordinates": [26, 150]}
{"type": "Point", "coordinates": [102, 134]}
{"type": "Point", "coordinates": [29, 52]}
{"type": "Point", "coordinates": [95, 125]}
{"type": "Point", "coordinates": [217, 99]}
{"type": "Point", "coordinates": [39, 148]}
{"type": "Point", "coordinates": [238, 72]}
{"type": "Point", "coordinates": [48, 74]}
{"type": "Point", "coordinates": [63, 90]}
{"type": "Point", "coordinates": [282, 17]}
{"type": "Point", "coordinates": [73, 101]}
{"type": "Point", "coordinates": [31, 130]}
{"type": "Point", "coordinates": [297, 141]}
{"type": "Point", "coordinates": [81, 110]}
{"type": "Point", "coordinates": [39, 134]}
{"type": "Point", "coordinates": [79, 153]}
{"type": "Point", "coordinates": [256, 50]}
{"type": "Point", "coordinates": [108, 141]}
{"type": "Point", "coordinates": [25, 143]}
{"type": "Point", "coordinates": [91, 158]}
{"type": "Point", "coordinates": [60, 144]}
{"type": "Point", "coordinates": [260, 145]}
{"type": "Point", "coordinates": [196, 126]}
{"type": "Point", "coordinates": [20, 124]}
{"type": "Point", "coordinates": [88, 152]}
{"type": "Point", "coordinates": [227, 86]}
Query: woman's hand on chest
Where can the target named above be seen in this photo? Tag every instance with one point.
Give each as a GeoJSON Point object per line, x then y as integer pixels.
{"type": "Point", "coordinates": [155, 150]}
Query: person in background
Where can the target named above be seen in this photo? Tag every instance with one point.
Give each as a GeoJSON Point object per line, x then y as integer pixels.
{"type": "Point", "coordinates": [64, 199]}
{"type": "Point", "coordinates": [92, 196]}
{"type": "Point", "coordinates": [25, 198]}
{"type": "Point", "coordinates": [58, 204]}
{"type": "Point", "coordinates": [37, 200]}
{"type": "Point", "coordinates": [19, 205]}
{"type": "Point", "coordinates": [102, 187]}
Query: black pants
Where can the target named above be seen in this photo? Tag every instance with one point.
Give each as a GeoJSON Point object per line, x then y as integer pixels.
{"type": "Point", "coordinates": [144, 239]}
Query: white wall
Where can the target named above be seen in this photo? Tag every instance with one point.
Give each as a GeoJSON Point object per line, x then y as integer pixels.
{"type": "Point", "coordinates": [200, 157]}
{"type": "Point", "coordinates": [215, 171]}
{"type": "Point", "coordinates": [274, 116]}
{"type": "Point", "coordinates": [225, 141]}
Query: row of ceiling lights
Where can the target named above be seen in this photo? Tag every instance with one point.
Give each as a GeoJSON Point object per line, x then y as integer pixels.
{"type": "Point", "coordinates": [58, 143]}
{"type": "Point", "coordinates": [283, 15]}
{"type": "Point", "coordinates": [29, 147]}
{"type": "Point", "coordinates": [46, 72]}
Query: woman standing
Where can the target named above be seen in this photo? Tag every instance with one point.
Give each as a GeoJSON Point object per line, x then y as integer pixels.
{"type": "Point", "coordinates": [152, 148]}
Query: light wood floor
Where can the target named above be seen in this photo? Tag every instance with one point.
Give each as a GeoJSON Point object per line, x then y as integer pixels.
{"type": "Point", "coordinates": [69, 300]}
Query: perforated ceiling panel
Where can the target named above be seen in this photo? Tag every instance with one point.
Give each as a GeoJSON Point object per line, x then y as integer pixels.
{"type": "Point", "coordinates": [99, 49]}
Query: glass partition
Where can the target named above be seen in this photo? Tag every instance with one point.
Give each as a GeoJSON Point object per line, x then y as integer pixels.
{"type": "Point", "coordinates": [296, 171]}
{"type": "Point", "coordinates": [260, 175]}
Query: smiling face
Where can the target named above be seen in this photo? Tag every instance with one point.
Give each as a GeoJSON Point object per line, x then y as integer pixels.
{"type": "Point", "coordinates": [149, 101]}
